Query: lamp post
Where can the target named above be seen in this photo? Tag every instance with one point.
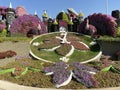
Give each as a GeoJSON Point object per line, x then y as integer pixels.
{"type": "Point", "coordinates": [106, 6]}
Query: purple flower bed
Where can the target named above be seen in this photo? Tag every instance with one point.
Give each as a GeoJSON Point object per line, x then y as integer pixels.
{"type": "Point", "coordinates": [61, 76]}
{"type": "Point", "coordinates": [84, 77]}
{"type": "Point", "coordinates": [80, 72]}
{"type": "Point", "coordinates": [56, 67]}
{"type": "Point", "coordinates": [83, 67]}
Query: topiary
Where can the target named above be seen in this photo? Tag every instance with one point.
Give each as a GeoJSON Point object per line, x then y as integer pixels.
{"type": "Point", "coordinates": [105, 24]}
{"type": "Point", "coordinates": [62, 16]}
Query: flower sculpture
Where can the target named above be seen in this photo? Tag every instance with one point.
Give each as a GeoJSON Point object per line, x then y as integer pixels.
{"type": "Point", "coordinates": [104, 24]}
{"type": "Point", "coordinates": [63, 45]}
{"type": "Point", "coordinates": [62, 75]}
{"type": "Point", "coordinates": [27, 24]}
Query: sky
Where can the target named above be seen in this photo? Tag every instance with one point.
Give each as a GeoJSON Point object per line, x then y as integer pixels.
{"type": "Point", "coordinates": [53, 7]}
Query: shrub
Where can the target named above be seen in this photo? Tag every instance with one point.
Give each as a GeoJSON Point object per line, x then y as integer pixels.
{"type": "Point", "coordinates": [3, 33]}
{"type": "Point", "coordinates": [118, 31]}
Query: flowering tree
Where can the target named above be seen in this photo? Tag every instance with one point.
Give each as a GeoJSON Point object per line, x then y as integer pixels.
{"type": "Point", "coordinates": [23, 24]}
{"type": "Point", "coordinates": [104, 24]}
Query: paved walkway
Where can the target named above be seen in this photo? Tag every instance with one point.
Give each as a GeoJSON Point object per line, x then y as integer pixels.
{"type": "Point", "coordinates": [5, 85]}
{"type": "Point", "coordinates": [21, 48]}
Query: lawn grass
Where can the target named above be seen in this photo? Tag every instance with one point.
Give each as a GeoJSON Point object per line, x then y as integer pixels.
{"type": "Point", "coordinates": [82, 56]}
{"type": "Point", "coordinates": [109, 38]}
{"type": "Point", "coordinates": [14, 39]}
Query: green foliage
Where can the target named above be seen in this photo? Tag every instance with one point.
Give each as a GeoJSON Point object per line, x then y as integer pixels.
{"type": "Point", "coordinates": [118, 31]}
{"type": "Point", "coordinates": [3, 33]}
{"type": "Point", "coordinates": [63, 16]}
{"type": "Point", "coordinates": [109, 38]}
{"type": "Point", "coordinates": [14, 39]}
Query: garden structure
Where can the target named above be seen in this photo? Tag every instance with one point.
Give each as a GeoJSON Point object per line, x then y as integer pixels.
{"type": "Point", "coordinates": [76, 54]}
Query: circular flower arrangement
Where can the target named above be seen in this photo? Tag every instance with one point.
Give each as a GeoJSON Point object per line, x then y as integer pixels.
{"type": "Point", "coordinates": [69, 47]}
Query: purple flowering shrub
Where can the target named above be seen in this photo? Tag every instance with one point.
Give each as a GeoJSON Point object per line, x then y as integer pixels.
{"type": "Point", "coordinates": [3, 10]}
{"type": "Point", "coordinates": [24, 23]}
{"type": "Point", "coordinates": [104, 24]}
{"type": "Point", "coordinates": [2, 26]}
{"type": "Point", "coordinates": [61, 72]}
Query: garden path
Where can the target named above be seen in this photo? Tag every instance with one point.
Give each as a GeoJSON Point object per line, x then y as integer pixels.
{"type": "Point", "coordinates": [21, 48]}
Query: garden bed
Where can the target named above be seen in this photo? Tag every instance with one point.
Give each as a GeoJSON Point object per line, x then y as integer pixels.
{"type": "Point", "coordinates": [33, 79]}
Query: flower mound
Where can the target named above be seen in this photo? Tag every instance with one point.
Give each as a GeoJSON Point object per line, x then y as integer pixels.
{"type": "Point", "coordinates": [23, 24]}
{"type": "Point", "coordinates": [80, 72]}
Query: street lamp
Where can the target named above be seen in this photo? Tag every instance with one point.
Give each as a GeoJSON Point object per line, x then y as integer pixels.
{"type": "Point", "coordinates": [106, 6]}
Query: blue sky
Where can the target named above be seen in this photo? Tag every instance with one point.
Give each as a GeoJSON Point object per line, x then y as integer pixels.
{"type": "Point", "coordinates": [53, 7]}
